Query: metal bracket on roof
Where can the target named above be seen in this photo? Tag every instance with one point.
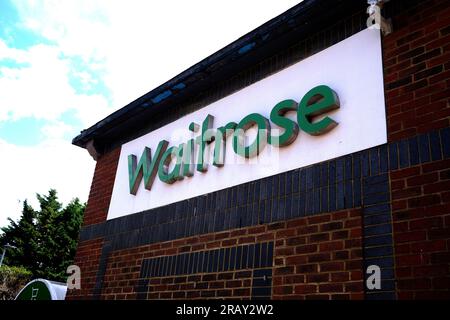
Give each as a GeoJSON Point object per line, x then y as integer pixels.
{"type": "Point", "coordinates": [90, 147]}
{"type": "Point", "coordinates": [376, 20]}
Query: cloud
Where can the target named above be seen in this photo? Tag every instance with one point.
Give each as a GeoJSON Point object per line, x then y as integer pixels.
{"type": "Point", "coordinates": [57, 130]}
{"type": "Point", "coordinates": [26, 171]}
{"type": "Point", "coordinates": [20, 56]}
{"type": "Point", "coordinates": [36, 83]}
{"type": "Point", "coordinates": [139, 44]}
{"type": "Point", "coordinates": [42, 88]}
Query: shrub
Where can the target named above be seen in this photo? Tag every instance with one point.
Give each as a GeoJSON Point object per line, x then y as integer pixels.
{"type": "Point", "coordinates": [12, 280]}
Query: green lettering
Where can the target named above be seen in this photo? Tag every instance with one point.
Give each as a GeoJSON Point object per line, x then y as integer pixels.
{"type": "Point", "coordinates": [263, 130]}
{"type": "Point", "coordinates": [146, 168]}
{"type": "Point", "coordinates": [193, 127]}
{"type": "Point", "coordinates": [206, 137]}
{"type": "Point", "coordinates": [317, 101]}
{"type": "Point", "coordinates": [222, 134]}
{"type": "Point", "coordinates": [163, 169]}
{"type": "Point", "coordinates": [277, 116]}
{"type": "Point", "coordinates": [188, 159]}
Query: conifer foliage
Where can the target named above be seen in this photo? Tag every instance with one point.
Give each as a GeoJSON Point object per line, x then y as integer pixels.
{"type": "Point", "coordinates": [45, 240]}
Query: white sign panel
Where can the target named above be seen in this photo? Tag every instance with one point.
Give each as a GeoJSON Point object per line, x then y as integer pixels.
{"type": "Point", "coordinates": [352, 69]}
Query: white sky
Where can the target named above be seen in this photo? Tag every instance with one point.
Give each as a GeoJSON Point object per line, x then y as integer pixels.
{"type": "Point", "coordinates": [129, 47]}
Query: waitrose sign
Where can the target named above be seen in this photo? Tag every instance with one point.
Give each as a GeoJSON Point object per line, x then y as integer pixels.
{"type": "Point", "coordinates": [316, 102]}
{"type": "Point", "coordinates": [325, 106]}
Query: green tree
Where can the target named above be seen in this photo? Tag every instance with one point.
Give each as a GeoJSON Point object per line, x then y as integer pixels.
{"type": "Point", "coordinates": [45, 239]}
{"type": "Point", "coordinates": [64, 231]}
{"type": "Point", "coordinates": [46, 228]}
{"type": "Point", "coordinates": [22, 236]}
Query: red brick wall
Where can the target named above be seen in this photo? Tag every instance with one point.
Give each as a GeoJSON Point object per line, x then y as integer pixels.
{"type": "Point", "coordinates": [417, 79]}
{"type": "Point", "coordinates": [417, 70]}
{"type": "Point", "coordinates": [316, 257]}
{"type": "Point", "coordinates": [421, 216]}
{"type": "Point", "coordinates": [88, 252]}
{"type": "Point", "coordinates": [87, 258]}
{"type": "Point", "coordinates": [123, 272]}
{"type": "Point", "coordinates": [319, 257]}
{"type": "Point", "coordinates": [101, 188]}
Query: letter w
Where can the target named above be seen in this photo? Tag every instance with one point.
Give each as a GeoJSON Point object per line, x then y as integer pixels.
{"type": "Point", "coordinates": [147, 167]}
